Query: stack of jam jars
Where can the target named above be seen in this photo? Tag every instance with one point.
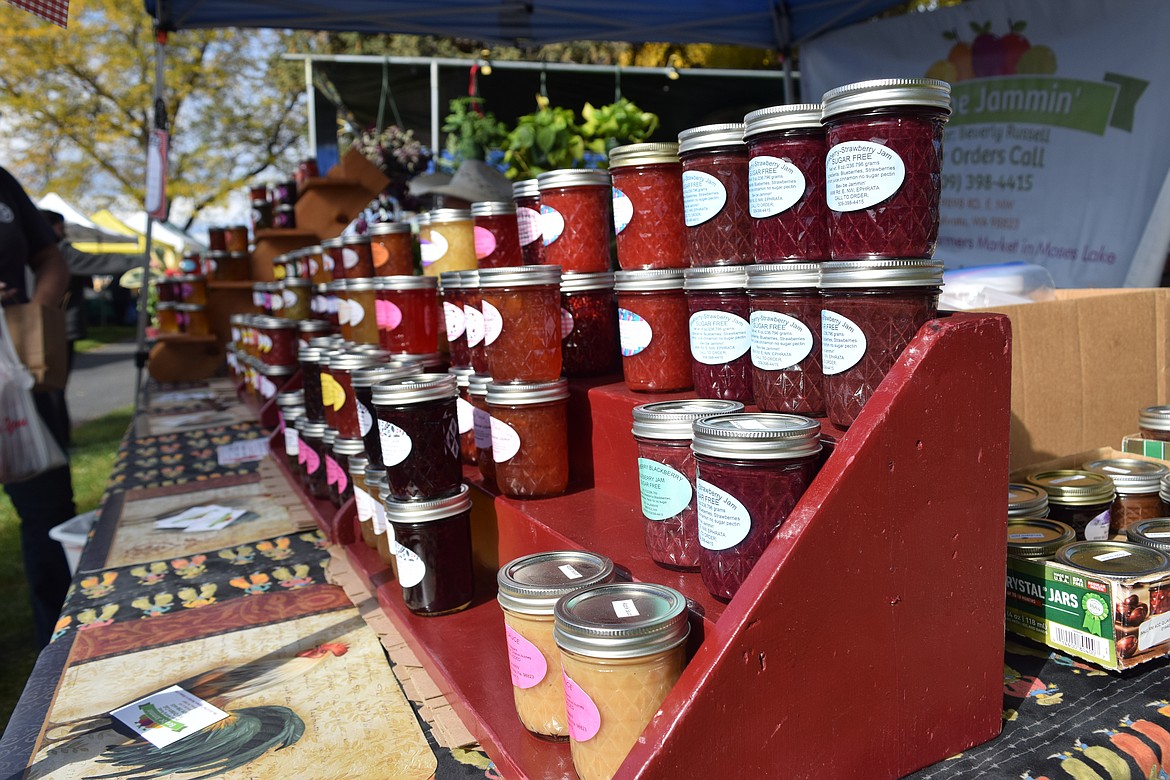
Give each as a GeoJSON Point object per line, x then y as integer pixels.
{"type": "Point", "coordinates": [182, 305]}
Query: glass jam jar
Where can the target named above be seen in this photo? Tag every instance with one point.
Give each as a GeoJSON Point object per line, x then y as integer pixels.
{"type": "Point", "coordinates": [296, 293]}
{"type": "Point", "coordinates": [363, 380]}
{"type": "Point", "coordinates": [720, 335]}
{"type": "Point", "coordinates": [526, 196]}
{"type": "Point", "coordinates": [167, 317]}
{"type": "Point", "coordinates": [1080, 498]}
{"type": "Point", "coordinates": [362, 501]}
{"type": "Point", "coordinates": [407, 314]}
{"type": "Point", "coordinates": [1154, 533]}
{"type": "Point", "coordinates": [193, 319]}
{"type": "Point", "coordinates": [419, 434]}
{"type": "Point", "coordinates": [1154, 422]}
{"type": "Point", "coordinates": [339, 394]}
{"type": "Point", "coordinates": [310, 329]}
{"type": "Point", "coordinates": [574, 219]}
{"type": "Point", "coordinates": [648, 206]}
{"type": "Point", "coordinates": [337, 469]}
{"type": "Point", "coordinates": [192, 288]}
{"type": "Point", "coordinates": [361, 296]}
{"type": "Point", "coordinates": [883, 170]}
{"type": "Point", "coordinates": [331, 257]}
{"type": "Point", "coordinates": [653, 330]}
{"type": "Point", "coordinates": [871, 310]}
{"type": "Point", "coordinates": [1137, 483]}
{"type": "Point", "coordinates": [277, 341]}
{"type": "Point", "coordinates": [786, 183]}
{"type": "Point", "coordinates": [236, 238]}
{"type": "Point", "coordinates": [392, 248]}
{"type": "Point", "coordinates": [497, 234]}
{"type": "Point", "coordinates": [785, 303]}
{"type": "Point", "coordinates": [528, 590]}
{"type": "Point", "coordinates": [1027, 502]}
{"type": "Point", "coordinates": [464, 413]}
{"type": "Point", "coordinates": [589, 325]}
{"type": "Point", "coordinates": [666, 475]}
{"type": "Point", "coordinates": [1036, 538]}
{"type": "Point", "coordinates": [379, 539]}
{"type": "Point", "coordinates": [455, 321]}
{"type": "Point", "coordinates": [522, 322]}
{"type": "Point", "coordinates": [481, 426]}
{"type": "Point", "coordinates": [623, 647]}
{"type": "Point", "coordinates": [530, 437]}
{"type": "Point", "coordinates": [1164, 494]}
{"type": "Point", "coordinates": [715, 195]}
{"type": "Point", "coordinates": [312, 460]}
{"type": "Point", "coordinates": [751, 470]}
{"type": "Point", "coordinates": [473, 321]}
{"type": "Point", "coordinates": [356, 257]}
{"type": "Point", "coordinates": [234, 267]}
{"type": "Point", "coordinates": [272, 379]}
{"type": "Point", "coordinates": [446, 240]}
{"type": "Point", "coordinates": [432, 547]}
{"type": "Point", "coordinates": [315, 266]}
{"type": "Point", "coordinates": [217, 239]}
{"type": "Point", "coordinates": [310, 360]}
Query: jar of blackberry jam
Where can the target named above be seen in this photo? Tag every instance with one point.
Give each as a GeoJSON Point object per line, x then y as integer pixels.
{"type": "Point", "coordinates": [407, 314]}
{"type": "Point", "coordinates": [871, 310]}
{"type": "Point", "coordinates": [497, 235]}
{"type": "Point", "coordinates": [648, 206]}
{"type": "Point", "coordinates": [715, 195]}
{"type": "Point", "coordinates": [751, 470]}
{"type": "Point", "coordinates": [1154, 422]}
{"type": "Point", "coordinates": [392, 248]}
{"type": "Point", "coordinates": [883, 170]}
{"type": "Point", "coordinates": [473, 321]}
{"type": "Point", "coordinates": [785, 303]}
{"type": "Point", "coordinates": [481, 425]}
{"type": "Point", "coordinates": [575, 220]}
{"type": "Point", "coordinates": [1083, 499]}
{"type": "Point", "coordinates": [786, 183]}
{"type": "Point", "coordinates": [589, 325]}
{"type": "Point", "coordinates": [522, 322]}
{"type": "Point", "coordinates": [464, 413]}
{"type": "Point", "coordinates": [454, 319]}
{"type": "Point", "coordinates": [653, 330]}
{"type": "Point", "coordinates": [432, 546]}
{"type": "Point", "coordinates": [310, 360]}
{"type": "Point", "coordinates": [364, 380]}
{"type": "Point", "coordinates": [720, 335]}
{"type": "Point", "coordinates": [666, 475]}
{"type": "Point", "coordinates": [419, 434]}
{"type": "Point", "coordinates": [526, 195]}
{"type": "Point", "coordinates": [530, 438]}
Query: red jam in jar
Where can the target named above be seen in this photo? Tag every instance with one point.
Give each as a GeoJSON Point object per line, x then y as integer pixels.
{"type": "Point", "coordinates": [392, 248]}
{"type": "Point", "coordinates": [407, 314]}
{"type": "Point", "coordinates": [871, 311]}
{"type": "Point", "coordinates": [715, 195]}
{"type": "Point", "coordinates": [666, 477]}
{"type": "Point", "coordinates": [883, 170]}
{"type": "Point", "coordinates": [357, 257]}
{"type": "Point", "coordinates": [574, 219]}
{"type": "Point", "coordinates": [432, 548]}
{"type": "Point", "coordinates": [589, 325]}
{"type": "Point", "coordinates": [473, 321]}
{"type": "Point", "coordinates": [751, 470]}
{"type": "Point", "coordinates": [331, 257]}
{"type": "Point", "coordinates": [530, 439]}
{"type": "Point", "coordinates": [653, 330]}
{"type": "Point", "coordinates": [481, 426]}
{"type": "Point", "coordinates": [454, 318]}
{"type": "Point", "coordinates": [648, 206]}
{"type": "Point", "coordinates": [419, 433]}
{"type": "Point", "coordinates": [464, 414]}
{"type": "Point", "coordinates": [497, 235]}
{"type": "Point", "coordinates": [720, 334]}
{"type": "Point", "coordinates": [363, 380]}
{"type": "Point", "coordinates": [526, 195]}
{"type": "Point", "coordinates": [522, 322]}
{"type": "Point", "coordinates": [786, 183]}
{"type": "Point", "coordinates": [786, 337]}
{"type": "Point", "coordinates": [278, 342]}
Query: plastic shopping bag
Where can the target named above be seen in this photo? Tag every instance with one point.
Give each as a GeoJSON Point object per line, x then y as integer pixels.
{"type": "Point", "coordinates": [26, 447]}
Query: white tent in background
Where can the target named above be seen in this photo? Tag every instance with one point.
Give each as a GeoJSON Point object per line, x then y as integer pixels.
{"type": "Point", "coordinates": [164, 232]}
{"type": "Point", "coordinates": [54, 202]}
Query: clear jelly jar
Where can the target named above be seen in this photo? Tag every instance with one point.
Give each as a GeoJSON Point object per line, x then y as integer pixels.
{"type": "Point", "coordinates": [464, 413]}
{"type": "Point", "coordinates": [574, 219]}
{"type": "Point", "coordinates": [392, 248]}
{"type": "Point", "coordinates": [648, 206]}
{"type": "Point", "coordinates": [871, 310]}
{"type": "Point", "coordinates": [407, 314]}
{"type": "Point", "coordinates": [526, 196]}
{"type": "Point", "coordinates": [1027, 502]}
{"type": "Point", "coordinates": [589, 325]}
{"type": "Point", "coordinates": [715, 195]}
{"type": "Point", "coordinates": [473, 321]}
{"type": "Point", "coordinates": [1083, 499]}
{"type": "Point", "coordinates": [446, 240]}
{"type": "Point", "coordinates": [530, 437]}
{"type": "Point", "coordinates": [785, 303]}
{"type": "Point", "coordinates": [419, 435]}
{"type": "Point", "coordinates": [786, 183]}
{"type": "Point", "coordinates": [522, 322]}
{"type": "Point", "coordinates": [497, 234]}
{"type": "Point", "coordinates": [1154, 422]}
{"type": "Point", "coordinates": [653, 330]}
{"type": "Point", "coordinates": [1036, 538]}
{"type": "Point", "coordinates": [528, 590]}
{"type": "Point", "coordinates": [623, 647]}
{"type": "Point", "coordinates": [720, 334]}
{"type": "Point", "coordinates": [883, 170]}
{"type": "Point", "coordinates": [481, 426]}
{"type": "Point", "coordinates": [364, 380]}
{"type": "Point", "coordinates": [751, 470]}
{"type": "Point", "coordinates": [666, 477]}
{"type": "Point", "coordinates": [454, 318]}
{"type": "Point", "coordinates": [432, 548]}
{"type": "Point", "coordinates": [1137, 483]}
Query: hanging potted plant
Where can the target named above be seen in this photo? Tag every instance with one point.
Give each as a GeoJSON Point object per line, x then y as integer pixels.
{"type": "Point", "coordinates": [618, 123]}
{"type": "Point", "coordinates": [544, 140]}
{"type": "Point", "coordinates": [471, 132]}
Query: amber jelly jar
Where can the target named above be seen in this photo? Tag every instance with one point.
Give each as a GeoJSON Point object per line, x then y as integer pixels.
{"type": "Point", "coordinates": [785, 303]}
{"type": "Point", "coordinates": [522, 322]}
{"type": "Point", "coordinates": [497, 234]}
{"type": "Point", "coordinates": [1154, 422]}
{"type": "Point", "coordinates": [446, 241]}
{"type": "Point", "coordinates": [530, 438]}
{"type": "Point", "coordinates": [653, 330]}
{"type": "Point", "coordinates": [526, 196]}
{"type": "Point", "coordinates": [419, 435]}
{"type": "Point", "coordinates": [883, 170]}
{"type": "Point", "coordinates": [648, 206]}
{"type": "Point", "coordinates": [407, 314]}
{"type": "Point", "coordinates": [1082, 499]}
{"type": "Point", "coordinates": [1037, 538]}
{"type": "Point", "coordinates": [432, 547]}
{"type": "Point", "coordinates": [720, 335]}
{"type": "Point", "coordinates": [1137, 483]}
{"type": "Point", "coordinates": [528, 590]}
{"type": "Point", "coordinates": [715, 195]}
{"type": "Point", "coordinates": [296, 293]}
{"type": "Point", "coordinates": [574, 219]}
{"type": "Point", "coordinates": [379, 538]}
{"type": "Point", "coordinates": [361, 498]}
{"type": "Point", "coordinates": [589, 325]}
{"type": "Point", "coordinates": [392, 248]}
{"type": "Point", "coordinates": [622, 650]}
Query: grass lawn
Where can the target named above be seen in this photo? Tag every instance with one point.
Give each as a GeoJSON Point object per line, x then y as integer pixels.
{"type": "Point", "coordinates": [95, 444]}
{"type": "Point", "coordinates": [97, 335]}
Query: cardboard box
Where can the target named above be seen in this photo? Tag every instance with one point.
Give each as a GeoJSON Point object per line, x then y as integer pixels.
{"type": "Point", "coordinates": [1134, 444]}
{"type": "Point", "coordinates": [38, 333]}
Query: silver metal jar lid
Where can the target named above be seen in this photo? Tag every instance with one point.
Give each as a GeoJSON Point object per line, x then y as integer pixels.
{"type": "Point", "coordinates": [405, 283]}
{"type": "Point", "coordinates": [710, 137]}
{"type": "Point", "coordinates": [314, 430]}
{"type": "Point", "coordinates": [715, 277]}
{"type": "Point", "coordinates": [470, 279]}
{"type": "Point", "coordinates": [358, 465]}
{"type": "Point", "coordinates": [519, 276]}
{"type": "Point", "coordinates": [335, 242]}
{"type": "Point", "coordinates": [372, 375]}
{"type": "Point", "coordinates": [190, 307]}
{"type": "Point", "coordinates": [886, 93]}
{"type": "Point", "coordinates": [1029, 537]}
{"type": "Point", "coordinates": [375, 475]}
{"type": "Point", "coordinates": [1164, 489]}
{"type": "Point", "coordinates": [360, 284]}
{"type": "Point", "coordinates": [660, 279]}
{"type": "Point", "coordinates": [756, 436]}
{"type": "Point", "coordinates": [451, 280]}
{"type": "Point", "coordinates": [1130, 475]}
{"type": "Point", "coordinates": [349, 446]}
{"type": "Point", "coordinates": [388, 228]}
{"type": "Point", "coordinates": [354, 239]}
{"type": "Point", "coordinates": [372, 350]}
{"type": "Point", "coordinates": [1027, 501]}
{"type": "Point", "coordinates": [335, 286]}
{"type": "Point", "coordinates": [276, 370]}
{"type": "Point", "coordinates": [1152, 532]}
{"type": "Point", "coordinates": [1072, 487]}
{"type": "Point", "coordinates": [290, 398]}
{"type": "Point", "coordinates": [443, 216]}
{"type": "Point", "coordinates": [313, 326]}
{"type": "Point", "coordinates": [428, 510]}
{"type": "Point", "coordinates": [349, 361]}
{"type": "Point", "coordinates": [664, 153]}
{"type": "Point", "coordinates": [329, 437]}
{"type": "Point", "coordinates": [783, 276]}
{"type": "Point", "coordinates": [528, 188]}
{"type": "Point", "coordinates": [312, 355]}
{"type": "Point", "coordinates": [573, 177]}
{"type": "Point", "coordinates": [414, 389]}
{"type": "Point", "coordinates": [296, 281]}
{"type": "Point", "coordinates": [305, 251]}
{"type": "Point", "coordinates": [462, 375]}
{"type": "Point", "coordinates": [526, 393]}
{"type": "Point", "coordinates": [621, 620]}
{"type": "Point", "coordinates": [493, 208]}
{"type": "Point", "coordinates": [1156, 418]}
{"type": "Point", "coordinates": [533, 584]}
{"type": "Point", "coordinates": [1114, 559]}
{"type": "Point", "coordinates": [797, 116]}
{"type": "Point", "coordinates": [478, 384]}
{"type": "Point", "coordinates": [673, 420]}
{"type": "Point", "coordinates": [428, 360]}
{"type": "Point", "coordinates": [917, 272]}
{"type": "Point", "coordinates": [575, 283]}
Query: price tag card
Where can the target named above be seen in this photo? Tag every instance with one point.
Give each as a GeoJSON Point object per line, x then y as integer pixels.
{"type": "Point", "coordinates": [166, 717]}
{"type": "Point", "coordinates": [242, 451]}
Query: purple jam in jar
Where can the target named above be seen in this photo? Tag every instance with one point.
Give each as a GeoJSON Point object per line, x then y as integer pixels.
{"type": "Point", "coordinates": [589, 325]}
{"type": "Point", "coordinates": [786, 337]}
{"type": "Point", "coordinates": [419, 434]}
{"type": "Point", "coordinates": [432, 550]}
{"type": "Point", "coordinates": [720, 334]}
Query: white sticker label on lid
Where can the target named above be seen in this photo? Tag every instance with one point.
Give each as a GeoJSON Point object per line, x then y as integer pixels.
{"type": "Point", "coordinates": [778, 341]}
{"type": "Point", "coordinates": [860, 174]}
{"type": "Point", "coordinates": [625, 608]}
{"type": "Point", "coordinates": [1159, 535]}
{"type": "Point", "coordinates": [842, 343]}
{"type": "Point", "coordinates": [1020, 537]}
{"type": "Point", "coordinates": [1112, 556]}
{"type": "Point", "coordinates": [774, 186]}
{"type": "Point", "coordinates": [703, 197]}
{"type": "Point", "coordinates": [719, 337]}
{"type": "Point", "coordinates": [623, 210]}
{"type": "Point", "coordinates": [723, 521]}
{"type": "Point", "coordinates": [570, 572]}
{"type": "Point", "coordinates": [1062, 480]}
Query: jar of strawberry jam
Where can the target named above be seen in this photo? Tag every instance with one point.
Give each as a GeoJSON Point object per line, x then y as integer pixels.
{"type": "Point", "coordinates": [407, 314]}
{"type": "Point", "coordinates": [392, 248]}
{"type": "Point", "coordinates": [1154, 422]}
{"type": "Point", "coordinates": [432, 548]}
{"type": "Point", "coordinates": [526, 196]}
{"type": "Point", "coordinates": [785, 303]}
{"type": "Point", "coordinates": [883, 168]}
{"type": "Point", "coordinates": [786, 183]}
{"type": "Point", "coordinates": [648, 206]}
{"type": "Point", "coordinates": [473, 321]}
{"type": "Point", "coordinates": [666, 474]}
{"type": "Point", "coordinates": [530, 438]}
{"type": "Point", "coordinates": [720, 335]}
{"type": "Point", "coordinates": [751, 470]}
{"type": "Point", "coordinates": [454, 319]}
{"type": "Point", "coordinates": [522, 322]}
{"type": "Point", "coordinates": [497, 234]}
{"type": "Point", "coordinates": [464, 413]}
{"type": "Point", "coordinates": [481, 425]}
{"type": "Point", "coordinates": [418, 430]}
{"type": "Point", "coordinates": [653, 329]}
{"type": "Point", "coordinates": [871, 311]}
{"type": "Point", "coordinates": [574, 219]}
{"type": "Point", "coordinates": [446, 241]}
{"type": "Point", "coordinates": [363, 380]}
{"type": "Point", "coordinates": [589, 325]}
{"type": "Point", "coordinates": [715, 195]}
{"type": "Point", "coordinates": [356, 257]}
{"type": "Point", "coordinates": [278, 343]}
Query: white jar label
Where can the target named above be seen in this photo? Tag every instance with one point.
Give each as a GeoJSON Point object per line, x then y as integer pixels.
{"type": "Point", "coordinates": [719, 337]}
{"type": "Point", "coordinates": [634, 332]}
{"type": "Point", "coordinates": [774, 186]}
{"type": "Point", "coordinates": [723, 521]}
{"type": "Point", "coordinates": [623, 210]}
{"type": "Point", "coordinates": [365, 419]}
{"type": "Point", "coordinates": [860, 174]}
{"type": "Point", "coordinates": [349, 258]}
{"type": "Point", "coordinates": [463, 413]}
{"type": "Point", "coordinates": [1097, 529]}
{"type": "Point", "coordinates": [552, 224]}
{"type": "Point", "coordinates": [292, 443]}
{"type": "Point", "coordinates": [528, 220]}
{"type": "Point", "coordinates": [525, 661]}
{"type": "Point", "coordinates": [356, 313]}
{"type": "Point", "coordinates": [289, 297]}
{"type": "Point", "coordinates": [779, 341]}
{"type": "Point", "coordinates": [485, 242]}
{"type": "Point", "coordinates": [481, 425]}
{"type": "Point", "coordinates": [364, 504]}
{"type": "Point", "coordinates": [703, 197]}
{"type": "Point", "coordinates": [411, 568]}
{"type": "Point", "coordinates": [267, 388]}
{"type": "Point", "coordinates": [584, 717]}
{"type": "Point", "coordinates": [342, 309]}
{"type": "Point", "coordinates": [396, 443]}
{"type": "Point", "coordinates": [505, 441]}
{"type": "Point", "coordinates": [455, 320]}
{"type": "Point", "coordinates": [473, 322]}
{"type": "Point", "coordinates": [432, 251]}
{"type": "Point", "coordinates": [842, 343]}
{"type": "Point", "coordinates": [665, 491]}
{"type": "Point", "coordinates": [567, 323]}
{"type": "Point", "coordinates": [493, 324]}
{"type": "Point", "coordinates": [381, 525]}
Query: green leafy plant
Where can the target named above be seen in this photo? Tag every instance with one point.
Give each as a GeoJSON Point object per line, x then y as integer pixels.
{"type": "Point", "coordinates": [544, 140]}
{"type": "Point", "coordinates": [620, 122]}
{"type": "Point", "coordinates": [471, 131]}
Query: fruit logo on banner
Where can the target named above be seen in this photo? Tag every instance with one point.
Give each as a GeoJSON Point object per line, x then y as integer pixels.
{"type": "Point", "coordinates": [1054, 153]}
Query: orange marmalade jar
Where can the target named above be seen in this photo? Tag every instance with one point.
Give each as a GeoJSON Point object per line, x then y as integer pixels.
{"type": "Point", "coordinates": [575, 220]}
{"type": "Point", "coordinates": [522, 322]}
{"type": "Point", "coordinates": [392, 248]}
{"type": "Point", "coordinates": [530, 437]}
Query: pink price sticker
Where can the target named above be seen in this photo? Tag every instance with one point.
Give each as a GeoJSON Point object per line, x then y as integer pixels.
{"type": "Point", "coordinates": [584, 719]}
{"type": "Point", "coordinates": [485, 242]}
{"type": "Point", "coordinates": [524, 660]}
{"type": "Point", "coordinates": [312, 460]}
{"type": "Point", "coordinates": [335, 475]}
{"type": "Point", "coordinates": [388, 315]}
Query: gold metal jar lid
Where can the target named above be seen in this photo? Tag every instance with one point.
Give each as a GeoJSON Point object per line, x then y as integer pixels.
{"type": "Point", "coordinates": [533, 584]}
{"type": "Point", "coordinates": [694, 139]}
{"type": "Point", "coordinates": [1130, 475]}
{"type": "Point", "coordinates": [1072, 487]}
{"type": "Point", "coordinates": [1114, 559]}
{"type": "Point", "coordinates": [886, 93]}
{"type": "Point", "coordinates": [621, 620]}
{"type": "Point", "coordinates": [1027, 501]}
{"type": "Point", "coordinates": [1037, 537]}
{"type": "Point", "coordinates": [797, 116]}
{"type": "Point", "coordinates": [664, 153]}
